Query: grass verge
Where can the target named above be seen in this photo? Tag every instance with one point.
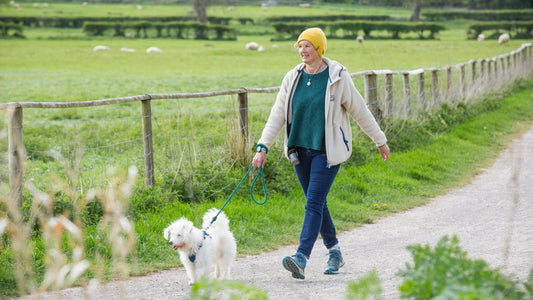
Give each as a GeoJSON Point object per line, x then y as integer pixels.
{"type": "Point", "coordinates": [365, 190]}
{"type": "Point", "coordinates": [445, 152]}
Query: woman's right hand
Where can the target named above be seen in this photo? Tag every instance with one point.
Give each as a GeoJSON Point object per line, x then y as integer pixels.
{"type": "Point", "coordinates": [259, 159]}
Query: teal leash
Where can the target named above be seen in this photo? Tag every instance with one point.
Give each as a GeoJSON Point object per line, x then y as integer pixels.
{"type": "Point", "coordinates": [260, 173]}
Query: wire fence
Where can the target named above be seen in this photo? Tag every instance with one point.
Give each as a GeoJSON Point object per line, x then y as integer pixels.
{"type": "Point", "coordinates": [82, 150]}
{"type": "Point", "coordinates": [176, 135]}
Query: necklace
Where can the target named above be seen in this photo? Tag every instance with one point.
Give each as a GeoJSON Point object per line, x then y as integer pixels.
{"type": "Point", "coordinates": [312, 75]}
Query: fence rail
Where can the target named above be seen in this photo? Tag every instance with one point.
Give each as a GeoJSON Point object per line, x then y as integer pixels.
{"type": "Point", "coordinates": [463, 82]}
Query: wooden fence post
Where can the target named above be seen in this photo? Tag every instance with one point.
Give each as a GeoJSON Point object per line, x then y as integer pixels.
{"type": "Point", "coordinates": [502, 65]}
{"type": "Point", "coordinates": [463, 81]}
{"type": "Point", "coordinates": [489, 70]}
{"type": "Point", "coordinates": [371, 95]}
{"type": "Point", "coordinates": [421, 91]}
{"type": "Point", "coordinates": [407, 94]}
{"type": "Point", "coordinates": [389, 98]}
{"type": "Point", "coordinates": [524, 63]}
{"type": "Point", "coordinates": [515, 62]}
{"type": "Point", "coordinates": [435, 87]}
{"type": "Point", "coordinates": [16, 153]}
{"type": "Point", "coordinates": [474, 72]}
{"type": "Point", "coordinates": [149, 179]}
{"type": "Point", "coordinates": [243, 116]}
{"type": "Point", "coordinates": [449, 84]}
{"type": "Point", "coordinates": [495, 61]}
{"type": "Point", "coordinates": [482, 70]}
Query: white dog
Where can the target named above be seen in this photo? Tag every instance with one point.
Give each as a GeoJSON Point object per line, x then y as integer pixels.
{"type": "Point", "coordinates": [204, 253]}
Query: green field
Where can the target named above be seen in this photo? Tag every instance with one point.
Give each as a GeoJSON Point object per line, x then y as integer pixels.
{"type": "Point", "coordinates": [431, 156]}
{"type": "Point", "coordinates": [191, 66]}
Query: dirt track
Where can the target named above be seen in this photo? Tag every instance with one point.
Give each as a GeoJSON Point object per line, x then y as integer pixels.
{"type": "Point", "coordinates": [478, 213]}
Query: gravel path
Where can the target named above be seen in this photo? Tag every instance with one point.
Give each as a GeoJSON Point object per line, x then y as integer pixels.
{"type": "Point", "coordinates": [479, 213]}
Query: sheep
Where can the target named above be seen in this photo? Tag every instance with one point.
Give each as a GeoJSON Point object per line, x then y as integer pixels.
{"type": "Point", "coordinates": [127, 49]}
{"type": "Point", "coordinates": [15, 5]}
{"type": "Point", "coordinates": [481, 37]}
{"type": "Point", "coordinates": [264, 7]}
{"type": "Point", "coordinates": [154, 50]}
{"type": "Point", "coordinates": [260, 49]}
{"type": "Point", "coordinates": [360, 39]}
{"type": "Point", "coordinates": [101, 48]}
{"type": "Point", "coordinates": [252, 46]}
{"type": "Point", "coordinates": [36, 5]}
{"type": "Point", "coordinates": [305, 5]}
{"type": "Point", "coordinates": [84, 4]}
{"type": "Point", "coordinates": [139, 7]}
{"type": "Point", "coordinates": [504, 38]}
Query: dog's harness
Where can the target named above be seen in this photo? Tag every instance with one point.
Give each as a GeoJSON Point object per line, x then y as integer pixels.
{"type": "Point", "coordinates": [192, 256]}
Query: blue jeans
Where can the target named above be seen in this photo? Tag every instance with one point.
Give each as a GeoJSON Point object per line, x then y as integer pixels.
{"type": "Point", "coordinates": [316, 180]}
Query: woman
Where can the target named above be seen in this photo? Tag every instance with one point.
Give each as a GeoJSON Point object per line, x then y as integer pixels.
{"type": "Point", "coordinates": [314, 103]}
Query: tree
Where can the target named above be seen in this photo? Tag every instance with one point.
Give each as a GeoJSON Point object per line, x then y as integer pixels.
{"type": "Point", "coordinates": [201, 10]}
{"type": "Point", "coordinates": [417, 5]}
{"type": "Point", "coordinates": [415, 12]}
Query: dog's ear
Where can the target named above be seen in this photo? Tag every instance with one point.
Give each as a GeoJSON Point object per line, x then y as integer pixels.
{"type": "Point", "coordinates": [166, 233]}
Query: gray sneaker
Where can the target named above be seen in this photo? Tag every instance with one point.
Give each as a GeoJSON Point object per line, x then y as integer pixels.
{"type": "Point", "coordinates": [335, 262]}
{"type": "Point", "coordinates": [295, 264]}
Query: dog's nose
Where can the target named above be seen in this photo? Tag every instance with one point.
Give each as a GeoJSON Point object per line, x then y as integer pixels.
{"type": "Point", "coordinates": [170, 243]}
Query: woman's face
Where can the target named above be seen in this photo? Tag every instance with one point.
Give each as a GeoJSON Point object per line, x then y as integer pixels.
{"type": "Point", "coordinates": [308, 52]}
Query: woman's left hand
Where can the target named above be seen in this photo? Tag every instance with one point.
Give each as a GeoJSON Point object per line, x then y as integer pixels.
{"type": "Point", "coordinates": [259, 159]}
{"type": "Point", "coordinates": [384, 151]}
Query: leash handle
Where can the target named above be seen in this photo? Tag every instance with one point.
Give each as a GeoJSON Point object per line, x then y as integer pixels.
{"type": "Point", "coordinates": [264, 187]}
{"type": "Point", "coordinates": [251, 191]}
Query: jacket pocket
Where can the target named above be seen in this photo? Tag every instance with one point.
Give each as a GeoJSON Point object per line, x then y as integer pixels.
{"type": "Point", "coordinates": [345, 140]}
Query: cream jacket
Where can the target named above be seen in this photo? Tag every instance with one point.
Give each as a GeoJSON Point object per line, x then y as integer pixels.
{"type": "Point", "coordinates": [342, 99]}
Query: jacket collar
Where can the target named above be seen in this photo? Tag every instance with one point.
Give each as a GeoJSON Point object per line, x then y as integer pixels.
{"type": "Point", "coordinates": [335, 69]}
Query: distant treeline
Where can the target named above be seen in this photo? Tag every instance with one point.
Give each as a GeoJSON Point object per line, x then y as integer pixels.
{"type": "Point", "coordinates": [77, 22]}
{"type": "Point", "coordinates": [351, 29]}
{"type": "Point", "coordinates": [518, 23]}
{"type": "Point", "coordinates": [326, 18]}
{"type": "Point", "coordinates": [146, 29]}
{"type": "Point", "coordinates": [480, 15]}
{"type": "Point", "coordinates": [518, 29]}
{"type": "Point", "coordinates": [471, 4]}
{"type": "Point", "coordinates": [6, 28]}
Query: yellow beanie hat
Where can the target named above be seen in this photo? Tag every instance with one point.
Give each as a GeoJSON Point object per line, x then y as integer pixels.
{"type": "Point", "coordinates": [316, 37]}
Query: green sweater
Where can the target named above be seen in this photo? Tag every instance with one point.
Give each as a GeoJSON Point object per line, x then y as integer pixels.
{"type": "Point", "coordinates": [308, 112]}
{"type": "Point", "coordinates": [342, 101]}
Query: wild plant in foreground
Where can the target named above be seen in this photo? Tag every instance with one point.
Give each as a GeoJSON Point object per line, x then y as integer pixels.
{"type": "Point", "coordinates": [39, 229]}
{"type": "Point", "coordinates": [118, 228]}
{"type": "Point", "coordinates": [446, 272]}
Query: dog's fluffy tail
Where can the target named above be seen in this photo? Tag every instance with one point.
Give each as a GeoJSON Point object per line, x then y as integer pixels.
{"type": "Point", "coordinates": [221, 223]}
